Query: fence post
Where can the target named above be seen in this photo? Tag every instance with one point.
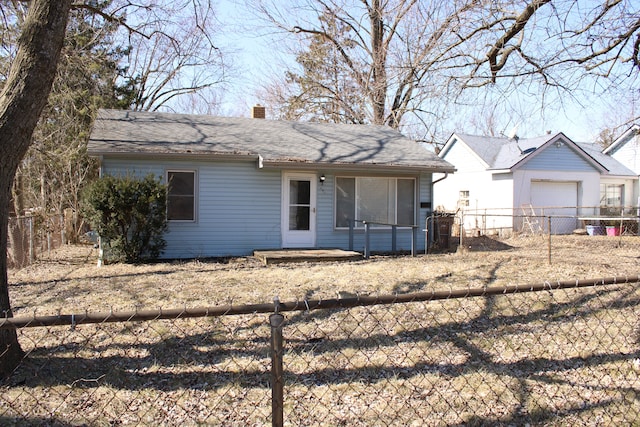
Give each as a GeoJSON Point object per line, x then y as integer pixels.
{"type": "Point", "coordinates": [277, 378]}
{"type": "Point", "coordinates": [32, 242]}
{"type": "Point", "coordinates": [549, 230]}
{"type": "Point", "coordinates": [461, 230]}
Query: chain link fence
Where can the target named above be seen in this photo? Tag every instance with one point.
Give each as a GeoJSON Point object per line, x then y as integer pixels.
{"type": "Point", "coordinates": [30, 237]}
{"type": "Point", "coordinates": [547, 230]}
{"type": "Point", "coordinates": [564, 354]}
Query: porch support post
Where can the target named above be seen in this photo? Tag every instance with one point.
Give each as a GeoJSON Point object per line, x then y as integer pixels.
{"type": "Point", "coordinates": [366, 240]}
{"type": "Point", "coordinates": [351, 226]}
{"type": "Point", "coordinates": [414, 240]}
{"type": "Point", "coordinates": [394, 235]}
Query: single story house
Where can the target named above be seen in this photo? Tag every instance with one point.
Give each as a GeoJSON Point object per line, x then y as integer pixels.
{"type": "Point", "coordinates": [547, 175]}
{"type": "Point", "coordinates": [241, 184]}
{"type": "Point", "coordinates": [626, 150]}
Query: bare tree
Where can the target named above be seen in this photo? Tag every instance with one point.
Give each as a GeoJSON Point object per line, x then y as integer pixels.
{"type": "Point", "coordinates": [173, 56]}
{"type": "Point", "coordinates": [572, 37]}
{"type": "Point", "coordinates": [418, 57]}
{"type": "Point", "coordinates": [24, 96]}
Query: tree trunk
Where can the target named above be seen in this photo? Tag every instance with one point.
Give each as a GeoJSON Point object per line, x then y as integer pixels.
{"type": "Point", "coordinates": [379, 66]}
{"type": "Point", "coordinates": [21, 102]}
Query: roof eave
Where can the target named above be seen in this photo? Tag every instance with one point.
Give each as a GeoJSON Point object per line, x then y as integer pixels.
{"type": "Point", "coordinates": [379, 167]}
{"type": "Point", "coordinates": [622, 139]}
{"type": "Point", "coordinates": [175, 155]}
{"type": "Point", "coordinates": [300, 164]}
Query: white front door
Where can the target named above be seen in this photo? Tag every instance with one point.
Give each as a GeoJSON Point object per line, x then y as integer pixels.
{"type": "Point", "coordinates": [298, 210]}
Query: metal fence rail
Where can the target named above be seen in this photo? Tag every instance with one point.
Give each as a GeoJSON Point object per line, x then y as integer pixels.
{"type": "Point", "coordinates": [562, 353]}
{"type": "Point", "coordinates": [540, 232]}
{"type": "Point", "coordinates": [535, 220]}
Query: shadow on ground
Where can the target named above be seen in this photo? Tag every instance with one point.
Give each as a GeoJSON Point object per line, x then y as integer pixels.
{"type": "Point", "coordinates": [485, 243]}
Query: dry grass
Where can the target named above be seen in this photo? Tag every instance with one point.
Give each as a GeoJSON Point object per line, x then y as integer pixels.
{"type": "Point", "coordinates": [70, 279]}
{"type": "Point", "coordinates": [550, 358]}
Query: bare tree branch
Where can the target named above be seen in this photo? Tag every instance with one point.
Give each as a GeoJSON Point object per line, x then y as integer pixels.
{"type": "Point", "coordinates": [500, 46]}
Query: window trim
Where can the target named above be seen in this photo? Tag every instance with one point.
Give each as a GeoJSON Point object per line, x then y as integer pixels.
{"type": "Point", "coordinates": [395, 178]}
{"type": "Point", "coordinates": [195, 194]}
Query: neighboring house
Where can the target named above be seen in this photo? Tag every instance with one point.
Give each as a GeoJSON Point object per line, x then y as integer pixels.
{"type": "Point", "coordinates": [626, 150]}
{"type": "Point", "coordinates": [240, 184]}
{"type": "Point", "coordinates": [550, 175]}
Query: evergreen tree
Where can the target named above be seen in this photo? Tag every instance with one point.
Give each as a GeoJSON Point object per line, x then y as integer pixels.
{"type": "Point", "coordinates": [324, 89]}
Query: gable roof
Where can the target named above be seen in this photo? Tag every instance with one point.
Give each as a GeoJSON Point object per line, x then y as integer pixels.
{"type": "Point", "coordinates": [622, 139]}
{"type": "Point", "coordinates": [502, 153]}
{"type": "Point", "coordinates": [613, 166]}
{"type": "Point", "coordinates": [271, 142]}
{"type": "Point", "coordinates": [497, 152]}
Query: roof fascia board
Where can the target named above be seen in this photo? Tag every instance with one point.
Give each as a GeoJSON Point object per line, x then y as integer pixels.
{"type": "Point", "coordinates": [262, 163]}
{"type": "Point", "coordinates": [175, 156]}
{"type": "Point", "coordinates": [354, 166]}
{"type": "Point", "coordinates": [622, 139]}
{"type": "Point", "coordinates": [453, 139]}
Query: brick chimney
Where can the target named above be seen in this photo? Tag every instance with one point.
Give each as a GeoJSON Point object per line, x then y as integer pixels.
{"type": "Point", "coordinates": [258, 112]}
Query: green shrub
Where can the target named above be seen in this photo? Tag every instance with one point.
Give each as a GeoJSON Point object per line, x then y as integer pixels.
{"type": "Point", "coordinates": [129, 214]}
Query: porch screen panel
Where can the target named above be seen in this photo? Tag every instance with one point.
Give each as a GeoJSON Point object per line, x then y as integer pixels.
{"type": "Point", "coordinates": [345, 201]}
{"type": "Point", "coordinates": [406, 201]}
{"type": "Point", "coordinates": [376, 200]}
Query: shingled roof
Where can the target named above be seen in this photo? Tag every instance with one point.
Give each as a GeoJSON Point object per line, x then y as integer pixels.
{"type": "Point", "coordinates": [501, 152]}
{"type": "Point", "coordinates": [272, 142]}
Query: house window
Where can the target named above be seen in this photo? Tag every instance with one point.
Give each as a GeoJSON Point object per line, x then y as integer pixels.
{"type": "Point", "coordinates": [181, 196]}
{"type": "Point", "coordinates": [611, 195]}
{"type": "Point", "coordinates": [383, 200]}
{"type": "Point", "coordinates": [463, 198]}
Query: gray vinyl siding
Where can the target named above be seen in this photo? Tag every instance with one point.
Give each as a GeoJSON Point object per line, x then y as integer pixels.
{"type": "Point", "coordinates": [238, 210]}
{"type": "Point", "coordinates": [558, 159]}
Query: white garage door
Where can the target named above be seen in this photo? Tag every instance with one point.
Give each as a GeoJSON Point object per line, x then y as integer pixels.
{"type": "Point", "coordinates": [556, 199]}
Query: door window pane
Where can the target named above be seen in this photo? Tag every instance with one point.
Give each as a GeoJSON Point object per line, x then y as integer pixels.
{"type": "Point", "coordinates": [299, 204]}
{"type": "Point", "coordinates": [299, 192]}
{"type": "Point", "coordinates": [299, 217]}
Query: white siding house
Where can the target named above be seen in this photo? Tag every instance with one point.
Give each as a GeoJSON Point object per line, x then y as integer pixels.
{"type": "Point", "coordinates": [626, 150]}
{"type": "Point", "coordinates": [550, 175]}
{"type": "Point", "coordinates": [240, 184]}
